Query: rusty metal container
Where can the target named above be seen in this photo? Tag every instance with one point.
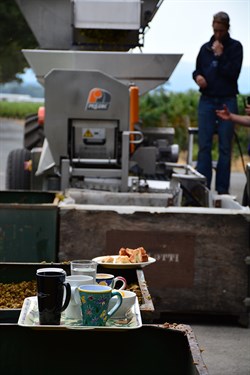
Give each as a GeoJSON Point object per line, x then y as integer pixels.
{"type": "Point", "coordinates": [202, 254]}
{"type": "Point", "coordinates": [150, 349]}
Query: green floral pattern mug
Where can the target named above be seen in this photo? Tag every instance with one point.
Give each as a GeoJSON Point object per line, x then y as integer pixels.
{"type": "Point", "coordinates": [95, 304]}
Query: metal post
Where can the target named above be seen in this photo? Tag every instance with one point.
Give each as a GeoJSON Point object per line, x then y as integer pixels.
{"type": "Point", "coordinates": [125, 160]}
{"type": "Point", "coordinates": [191, 132]}
{"type": "Point", "coordinates": [65, 175]}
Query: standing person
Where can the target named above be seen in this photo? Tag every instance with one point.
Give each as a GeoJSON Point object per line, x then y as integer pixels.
{"type": "Point", "coordinates": [218, 66]}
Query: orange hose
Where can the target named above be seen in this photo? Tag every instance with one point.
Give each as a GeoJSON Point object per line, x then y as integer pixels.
{"type": "Point", "coordinates": [134, 112]}
{"type": "Point", "coordinates": [41, 115]}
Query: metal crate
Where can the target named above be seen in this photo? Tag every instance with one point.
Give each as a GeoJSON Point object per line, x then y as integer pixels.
{"type": "Point", "coordinates": [29, 226]}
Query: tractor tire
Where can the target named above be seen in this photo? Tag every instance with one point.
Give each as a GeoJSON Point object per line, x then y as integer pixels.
{"type": "Point", "coordinates": [17, 177]}
{"type": "Point", "coordinates": [33, 132]}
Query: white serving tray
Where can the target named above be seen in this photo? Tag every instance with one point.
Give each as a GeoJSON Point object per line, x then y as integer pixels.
{"type": "Point", "coordinates": [29, 318]}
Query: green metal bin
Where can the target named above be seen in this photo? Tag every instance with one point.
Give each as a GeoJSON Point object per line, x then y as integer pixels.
{"type": "Point", "coordinates": [29, 226]}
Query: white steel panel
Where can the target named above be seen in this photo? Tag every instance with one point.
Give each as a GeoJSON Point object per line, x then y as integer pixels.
{"type": "Point", "coordinates": [103, 14]}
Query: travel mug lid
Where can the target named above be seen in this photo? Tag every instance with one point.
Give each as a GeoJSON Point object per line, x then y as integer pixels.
{"type": "Point", "coordinates": [51, 269]}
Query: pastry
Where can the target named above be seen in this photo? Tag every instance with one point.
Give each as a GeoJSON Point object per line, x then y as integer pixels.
{"type": "Point", "coordinates": [108, 259]}
{"type": "Point", "coordinates": [122, 259]}
{"type": "Point", "coordinates": [138, 255]}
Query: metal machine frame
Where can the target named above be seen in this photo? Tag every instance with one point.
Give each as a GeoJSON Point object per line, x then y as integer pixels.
{"type": "Point", "coordinates": [83, 52]}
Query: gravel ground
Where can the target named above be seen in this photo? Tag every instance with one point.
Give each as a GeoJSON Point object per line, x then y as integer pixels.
{"type": "Point", "coordinates": [225, 349]}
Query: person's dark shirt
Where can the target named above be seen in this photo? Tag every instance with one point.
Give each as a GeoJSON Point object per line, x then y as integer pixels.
{"type": "Point", "coordinates": [220, 72]}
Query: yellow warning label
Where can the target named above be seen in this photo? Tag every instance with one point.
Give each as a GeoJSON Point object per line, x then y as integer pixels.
{"type": "Point", "coordinates": [88, 134]}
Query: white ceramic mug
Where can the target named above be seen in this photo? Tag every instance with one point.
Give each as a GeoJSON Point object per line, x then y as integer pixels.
{"type": "Point", "coordinates": [108, 279]}
{"type": "Point", "coordinates": [73, 311]}
{"type": "Point", "coordinates": [128, 300]}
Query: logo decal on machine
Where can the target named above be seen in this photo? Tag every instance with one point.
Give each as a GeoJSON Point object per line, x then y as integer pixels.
{"type": "Point", "coordinates": [98, 99]}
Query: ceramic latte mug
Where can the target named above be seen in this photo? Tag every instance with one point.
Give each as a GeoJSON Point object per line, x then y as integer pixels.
{"type": "Point", "coordinates": [53, 294]}
{"type": "Point", "coordinates": [111, 280]}
{"type": "Point", "coordinates": [95, 304]}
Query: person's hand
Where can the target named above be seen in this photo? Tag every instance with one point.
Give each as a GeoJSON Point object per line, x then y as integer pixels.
{"type": "Point", "coordinates": [224, 113]}
{"type": "Point", "coordinates": [201, 82]}
{"type": "Point", "coordinates": [217, 48]}
{"type": "Point", "coordinates": [247, 109]}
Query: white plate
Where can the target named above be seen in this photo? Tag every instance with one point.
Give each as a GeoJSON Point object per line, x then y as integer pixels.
{"type": "Point", "coordinates": [29, 318]}
{"type": "Point", "coordinates": [99, 260]}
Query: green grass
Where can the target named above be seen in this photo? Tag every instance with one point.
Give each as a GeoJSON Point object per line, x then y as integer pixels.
{"type": "Point", "coordinates": [18, 109]}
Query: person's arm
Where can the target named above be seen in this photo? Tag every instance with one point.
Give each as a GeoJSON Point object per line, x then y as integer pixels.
{"type": "Point", "coordinates": [197, 74]}
{"type": "Point", "coordinates": [201, 81]}
{"type": "Point", "coordinates": [230, 61]}
{"type": "Point", "coordinates": [225, 114]}
{"type": "Point", "coordinates": [247, 109]}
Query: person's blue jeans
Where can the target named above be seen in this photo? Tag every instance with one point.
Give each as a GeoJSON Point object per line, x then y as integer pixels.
{"type": "Point", "coordinates": [209, 124]}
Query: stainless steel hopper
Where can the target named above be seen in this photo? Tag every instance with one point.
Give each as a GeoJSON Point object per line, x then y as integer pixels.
{"type": "Point", "coordinates": [147, 71]}
{"type": "Point", "coordinates": [100, 25]}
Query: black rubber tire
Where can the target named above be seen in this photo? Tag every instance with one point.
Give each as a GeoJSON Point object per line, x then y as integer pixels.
{"type": "Point", "coordinates": [33, 132]}
{"type": "Point", "coordinates": [17, 178]}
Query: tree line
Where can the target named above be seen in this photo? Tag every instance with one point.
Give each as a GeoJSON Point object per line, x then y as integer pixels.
{"type": "Point", "coordinates": [179, 110]}
{"type": "Point", "coordinates": [15, 35]}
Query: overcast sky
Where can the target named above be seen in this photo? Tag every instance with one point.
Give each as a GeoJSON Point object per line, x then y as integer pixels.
{"type": "Point", "coordinates": [183, 26]}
